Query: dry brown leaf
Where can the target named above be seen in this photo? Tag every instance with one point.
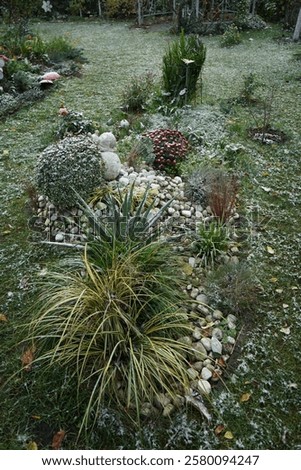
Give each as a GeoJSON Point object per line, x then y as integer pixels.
{"type": "Point", "coordinates": [27, 358]}
{"type": "Point", "coordinates": [58, 439]}
{"type": "Point", "coordinates": [228, 435]}
{"type": "Point", "coordinates": [221, 362]}
{"type": "Point", "coordinates": [219, 429]}
{"type": "Point", "coordinates": [3, 317]}
{"type": "Point", "coordinates": [245, 397]}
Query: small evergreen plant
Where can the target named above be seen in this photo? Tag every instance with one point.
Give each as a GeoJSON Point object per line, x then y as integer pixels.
{"type": "Point", "coordinates": [182, 66]}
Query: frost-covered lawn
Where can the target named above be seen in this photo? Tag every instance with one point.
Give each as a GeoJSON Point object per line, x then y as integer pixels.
{"type": "Point", "coordinates": [267, 368]}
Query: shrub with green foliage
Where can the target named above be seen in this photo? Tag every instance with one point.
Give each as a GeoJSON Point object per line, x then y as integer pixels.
{"type": "Point", "coordinates": [170, 148]}
{"type": "Point", "coordinates": [17, 40]}
{"type": "Point", "coordinates": [231, 37]}
{"type": "Point", "coordinates": [74, 123]}
{"type": "Point", "coordinates": [128, 219]}
{"type": "Point", "coordinates": [211, 241]}
{"type": "Point", "coordinates": [233, 287]}
{"type": "Point", "coordinates": [182, 66]}
{"type": "Point", "coordinates": [137, 93]}
{"type": "Point", "coordinates": [73, 164]}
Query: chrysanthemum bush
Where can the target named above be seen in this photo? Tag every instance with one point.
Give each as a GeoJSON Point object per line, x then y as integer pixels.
{"type": "Point", "coordinates": [170, 148]}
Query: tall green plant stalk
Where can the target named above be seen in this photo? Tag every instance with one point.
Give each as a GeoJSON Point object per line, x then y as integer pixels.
{"type": "Point", "coordinates": [182, 65]}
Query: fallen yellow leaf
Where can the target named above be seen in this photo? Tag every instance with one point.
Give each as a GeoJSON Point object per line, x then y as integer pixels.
{"type": "Point", "coordinates": [273, 279]}
{"type": "Point", "coordinates": [32, 445]}
{"type": "Point", "coordinates": [3, 317]}
{"type": "Point", "coordinates": [245, 397]}
{"type": "Point", "coordinates": [285, 305]}
{"type": "Point", "coordinates": [187, 269]}
{"type": "Point", "coordinates": [279, 291]}
{"type": "Point", "coordinates": [270, 250]}
{"type": "Point", "coordinates": [228, 435]}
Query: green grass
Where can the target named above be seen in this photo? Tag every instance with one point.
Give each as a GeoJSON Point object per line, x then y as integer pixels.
{"type": "Point", "coordinates": [266, 364]}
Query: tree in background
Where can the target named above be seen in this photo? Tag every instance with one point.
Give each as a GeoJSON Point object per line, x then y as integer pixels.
{"type": "Point", "coordinates": [14, 11]}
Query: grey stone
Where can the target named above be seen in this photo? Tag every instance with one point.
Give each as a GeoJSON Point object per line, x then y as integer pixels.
{"type": "Point", "coordinates": [185, 340]}
{"type": "Point", "coordinates": [177, 179]}
{"type": "Point", "coordinates": [186, 213]}
{"type": "Point", "coordinates": [124, 124]}
{"type": "Point", "coordinates": [217, 315]}
{"type": "Point", "coordinates": [168, 409]}
{"type": "Point", "coordinates": [59, 237]}
{"type": "Point", "coordinates": [112, 165]}
{"type": "Point", "coordinates": [231, 318]}
{"type": "Point", "coordinates": [216, 346]}
{"type": "Point", "coordinates": [206, 342]}
{"type": "Point", "coordinates": [199, 351]}
{"type": "Point", "coordinates": [217, 332]}
{"type": "Point", "coordinates": [204, 387]}
{"type": "Point", "coordinates": [194, 293]}
{"type": "Point", "coordinates": [202, 298]}
{"type": "Point", "coordinates": [206, 374]}
{"type": "Point", "coordinates": [192, 373]}
{"type": "Point", "coordinates": [198, 365]}
{"type": "Point", "coordinates": [203, 309]}
{"type": "Point", "coordinates": [230, 340]}
{"type": "Point", "coordinates": [171, 210]}
{"type": "Point", "coordinates": [197, 333]}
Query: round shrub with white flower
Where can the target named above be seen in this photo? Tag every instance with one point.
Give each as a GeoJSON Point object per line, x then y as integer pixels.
{"type": "Point", "coordinates": [72, 166]}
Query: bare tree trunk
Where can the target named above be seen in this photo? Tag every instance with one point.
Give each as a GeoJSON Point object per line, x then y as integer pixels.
{"type": "Point", "coordinates": [99, 8]}
{"type": "Point", "coordinates": [297, 31]}
{"type": "Point", "coordinates": [253, 7]}
{"type": "Point", "coordinates": [139, 12]}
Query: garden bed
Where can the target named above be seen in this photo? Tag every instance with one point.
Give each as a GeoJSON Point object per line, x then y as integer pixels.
{"type": "Point", "coordinates": [265, 374]}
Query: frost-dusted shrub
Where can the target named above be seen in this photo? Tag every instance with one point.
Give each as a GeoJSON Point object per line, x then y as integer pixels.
{"type": "Point", "coordinates": [170, 148]}
{"type": "Point", "coordinates": [196, 184]}
{"type": "Point", "coordinates": [137, 93]}
{"type": "Point", "coordinates": [74, 123]}
{"type": "Point", "coordinates": [233, 287]}
{"type": "Point", "coordinates": [72, 165]}
{"type": "Point", "coordinates": [213, 187]}
{"type": "Point", "coordinates": [231, 37]}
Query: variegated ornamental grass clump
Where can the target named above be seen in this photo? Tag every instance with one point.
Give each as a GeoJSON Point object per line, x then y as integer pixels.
{"type": "Point", "coordinates": [170, 148]}
{"type": "Point", "coordinates": [112, 314]}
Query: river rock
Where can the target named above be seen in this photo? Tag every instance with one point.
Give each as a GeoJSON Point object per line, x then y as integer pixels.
{"type": "Point", "coordinates": [206, 342]}
{"type": "Point", "coordinates": [204, 387]}
{"type": "Point", "coordinates": [112, 165]}
{"type": "Point", "coordinates": [200, 352]}
{"type": "Point", "coordinates": [216, 347]}
{"type": "Point", "coordinates": [206, 374]}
